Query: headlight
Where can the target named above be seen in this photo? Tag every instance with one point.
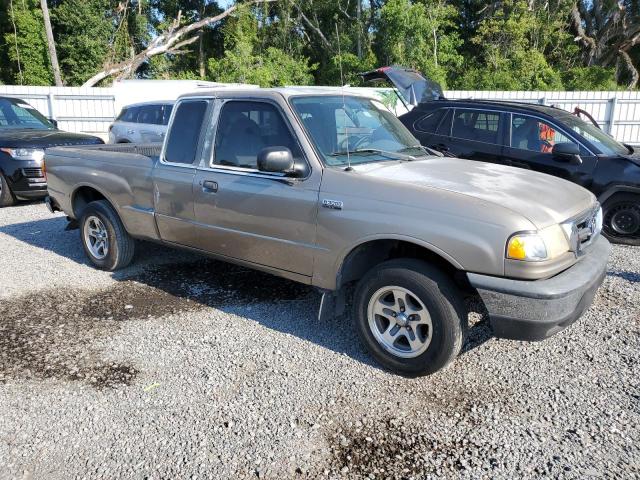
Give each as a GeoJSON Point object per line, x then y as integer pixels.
{"type": "Point", "coordinates": [526, 246]}
{"type": "Point", "coordinates": [25, 153]}
{"type": "Point", "coordinates": [545, 244]}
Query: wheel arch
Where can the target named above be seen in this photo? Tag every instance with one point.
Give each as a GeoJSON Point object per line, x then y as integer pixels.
{"type": "Point", "coordinates": [615, 189]}
{"type": "Point", "coordinates": [370, 252]}
{"type": "Point", "coordinates": [83, 194]}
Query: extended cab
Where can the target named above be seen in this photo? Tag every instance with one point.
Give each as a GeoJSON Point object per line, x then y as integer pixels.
{"type": "Point", "coordinates": [333, 191]}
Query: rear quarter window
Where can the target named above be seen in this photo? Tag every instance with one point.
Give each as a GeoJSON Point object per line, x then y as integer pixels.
{"type": "Point", "coordinates": [429, 122]}
{"type": "Point", "coordinates": [183, 136]}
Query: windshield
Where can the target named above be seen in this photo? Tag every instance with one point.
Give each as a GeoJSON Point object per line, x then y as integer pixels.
{"type": "Point", "coordinates": [16, 114]}
{"type": "Point", "coordinates": [357, 129]}
{"type": "Point", "coordinates": [603, 142]}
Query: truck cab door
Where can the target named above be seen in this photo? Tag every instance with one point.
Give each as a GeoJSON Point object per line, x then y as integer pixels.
{"type": "Point", "coordinates": [174, 173]}
{"type": "Point", "coordinates": [243, 213]}
{"type": "Point", "coordinates": [529, 145]}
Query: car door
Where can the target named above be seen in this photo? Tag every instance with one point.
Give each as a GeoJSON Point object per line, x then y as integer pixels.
{"type": "Point", "coordinates": [529, 144]}
{"type": "Point", "coordinates": [124, 129]}
{"type": "Point", "coordinates": [243, 213]}
{"type": "Point", "coordinates": [174, 173]}
{"type": "Point", "coordinates": [150, 124]}
{"type": "Point", "coordinates": [476, 134]}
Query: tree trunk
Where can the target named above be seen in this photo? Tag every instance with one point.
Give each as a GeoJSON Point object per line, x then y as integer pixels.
{"type": "Point", "coordinates": [170, 41]}
{"type": "Point", "coordinates": [53, 56]}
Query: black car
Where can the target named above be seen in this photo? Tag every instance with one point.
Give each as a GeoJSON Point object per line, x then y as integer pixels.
{"type": "Point", "coordinates": [537, 137]}
{"type": "Point", "coordinates": [24, 135]}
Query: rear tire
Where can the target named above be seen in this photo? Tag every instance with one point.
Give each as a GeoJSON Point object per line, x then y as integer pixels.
{"type": "Point", "coordinates": [6, 195]}
{"type": "Point", "coordinates": [104, 238]}
{"type": "Point", "coordinates": [621, 219]}
{"type": "Point", "coordinates": [411, 299]}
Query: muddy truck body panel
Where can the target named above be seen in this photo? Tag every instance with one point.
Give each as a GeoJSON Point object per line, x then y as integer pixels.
{"type": "Point", "coordinates": [326, 190]}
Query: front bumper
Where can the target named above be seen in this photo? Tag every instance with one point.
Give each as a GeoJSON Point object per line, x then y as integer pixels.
{"type": "Point", "coordinates": [27, 180]}
{"type": "Point", "coordinates": [537, 309]}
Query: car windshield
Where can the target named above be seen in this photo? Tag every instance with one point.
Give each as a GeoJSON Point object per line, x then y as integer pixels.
{"type": "Point", "coordinates": [356, 130]}
{"type": "Point", "coordinates": [603, 142]}
{"type": "Point", "coordinates": [15, 114]}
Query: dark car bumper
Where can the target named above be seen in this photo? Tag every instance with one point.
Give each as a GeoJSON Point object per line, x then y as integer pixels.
{"type": "Point", "coordinates": [26, 179]}
{"type": "Point", "coordinates": [538, 309]}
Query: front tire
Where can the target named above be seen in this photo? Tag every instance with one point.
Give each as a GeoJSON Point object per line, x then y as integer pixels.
{"type": "Point", "coordinates": [104, 238]}
{"type": "Point", "coordinates": [621, 219]}
{"type": "Point", "coordinates": [6, 195]}
{"type": "Point", "coordinates": [410, 316]}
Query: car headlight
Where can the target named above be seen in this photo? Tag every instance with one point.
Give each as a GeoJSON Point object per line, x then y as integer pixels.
{"type": "Point", "coordinates": [545, 244]}
{"type": "Point", "coordinates": [35, 154]}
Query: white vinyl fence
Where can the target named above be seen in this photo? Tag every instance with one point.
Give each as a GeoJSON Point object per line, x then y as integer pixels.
{"type": "Point", "coordinates": [91, 110]}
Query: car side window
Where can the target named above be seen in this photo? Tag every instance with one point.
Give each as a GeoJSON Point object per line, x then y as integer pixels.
{"type": "Point", "coordinates": [245, 128]}
{"type": "Point", "coordinates": [150, 114]}
{"type": "Point", "coordinates": [429, 122]}
{"type": "Point", "coordinates": [530, 133]}
{"type": "Point", "coordinates": [131, 114]}
{"type": "Point", "coordinates": [445, 124]}
{"type": "Point", "coordinates": [182, 140]}
{"type": "Point", "coordinates": [476, 125]}
{"type": "Point", "coordinates": [166, 114]}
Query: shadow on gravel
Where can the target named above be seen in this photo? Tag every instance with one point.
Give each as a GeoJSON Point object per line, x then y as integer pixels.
{"type": "Point", "coordinates": [56, 334]}
{"type": "Point", "coordinates": [50, 234]}
{"type": "Point", "coordinates": [633, 277]}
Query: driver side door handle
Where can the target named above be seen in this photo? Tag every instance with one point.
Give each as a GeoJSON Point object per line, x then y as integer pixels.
{"type": "Point", "coordinates": [209, 186]}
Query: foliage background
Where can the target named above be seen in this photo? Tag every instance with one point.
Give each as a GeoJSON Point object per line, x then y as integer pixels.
{"type": "Point", "coordinates": [463, 44]}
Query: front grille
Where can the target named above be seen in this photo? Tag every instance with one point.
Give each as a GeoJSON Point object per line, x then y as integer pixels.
{"type": "Point", "coordinates": [33, 172]}
{"type": "Point", "coordinates": [584, 229]}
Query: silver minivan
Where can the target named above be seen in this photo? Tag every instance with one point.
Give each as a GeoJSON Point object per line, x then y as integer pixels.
{"type": "Point", "coordinates": [141, 123]}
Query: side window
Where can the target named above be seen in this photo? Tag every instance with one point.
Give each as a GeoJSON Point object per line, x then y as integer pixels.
{"type": "Point", "coordinates": [123, 113]}
{"type": "Point", "coordinates": [445, 125]}
{"type": "Point", "coordinates": [476, 125]}
{"type": "Point", "coordinates": [245, 128]}
{"type": "Point", "coordinates": [430, 121]}
{"type": "Point", "coordinates": [131, 114]}
{"type": "Point", "coordinates": [182, 140]}
{"type": "Point", "coordinates": [150, 114]}
{"type": "Point", "coordinates": [166, 114]}
{"type": "Point", "coordinates": [530, 133]}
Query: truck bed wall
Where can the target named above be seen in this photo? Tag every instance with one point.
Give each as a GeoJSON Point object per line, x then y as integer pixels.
{"type": "Point", "coordinates": [121, 173]}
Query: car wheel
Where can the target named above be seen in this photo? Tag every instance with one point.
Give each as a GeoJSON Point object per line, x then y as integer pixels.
{"type": "Point", "coordinates": [410, 316]}
{"type": "Point", "coordinates": [6, 195]}
{"type": "Point", "coordinates": [104, 238]}
{"type": "Point", "coordinates": [621, 222]}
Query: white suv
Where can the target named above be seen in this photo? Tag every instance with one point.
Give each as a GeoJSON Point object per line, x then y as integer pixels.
{"type": "Point", "coordinates": [141, 123]}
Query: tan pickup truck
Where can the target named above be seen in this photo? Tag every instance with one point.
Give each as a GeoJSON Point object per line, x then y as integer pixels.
{"type": "Point", "coordinates": [333, 191]}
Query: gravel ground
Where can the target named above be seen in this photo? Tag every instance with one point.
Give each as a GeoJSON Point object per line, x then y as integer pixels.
{"type": "Point", "coordinates": [182, 367]}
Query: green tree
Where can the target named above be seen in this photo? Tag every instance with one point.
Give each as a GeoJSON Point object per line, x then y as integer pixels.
{"type": "Point", "coordinates": [26, 44]}
{"type": "Point", "coordinates": [244, 60]}
{"type": "Point", "coordinates": [511, 56]}
{"type": "Point", "coordinates": [83, 30]}
{"type": "Point", "coordinates": [420, 35]}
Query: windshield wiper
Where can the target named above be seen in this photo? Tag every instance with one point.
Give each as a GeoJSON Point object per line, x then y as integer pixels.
{"type": "Point", "coordinates": [429, 150]}
{"type": "Point", "coordinates": [386, 153]}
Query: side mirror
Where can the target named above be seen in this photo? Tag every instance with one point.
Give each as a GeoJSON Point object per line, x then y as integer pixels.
{"type": "Point", "coordinates": [54, 122]}
{"type": "Point", "coordinates": [567, 152]}
{"type": "Point", "coordinates": [276, 160]}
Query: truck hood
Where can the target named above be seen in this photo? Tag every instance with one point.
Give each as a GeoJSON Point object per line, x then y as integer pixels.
{"type": "Point", "coordinates": [542, 199]}
{"type": "Point", "coordinates": [25, 138]}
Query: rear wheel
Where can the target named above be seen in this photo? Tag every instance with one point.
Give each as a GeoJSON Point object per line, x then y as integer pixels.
{"type": "Point", "coordinates": [6, 195]}
{"type": "Point", "coordinates": [410, 316]}
{"type": "Point", "coordinates": [104, 238]}
{"type": "Point", "coordinates": [621, 222]}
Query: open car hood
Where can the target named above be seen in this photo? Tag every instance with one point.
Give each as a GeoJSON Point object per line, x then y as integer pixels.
{"type": "Point", "coordinates": [412, 86]}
